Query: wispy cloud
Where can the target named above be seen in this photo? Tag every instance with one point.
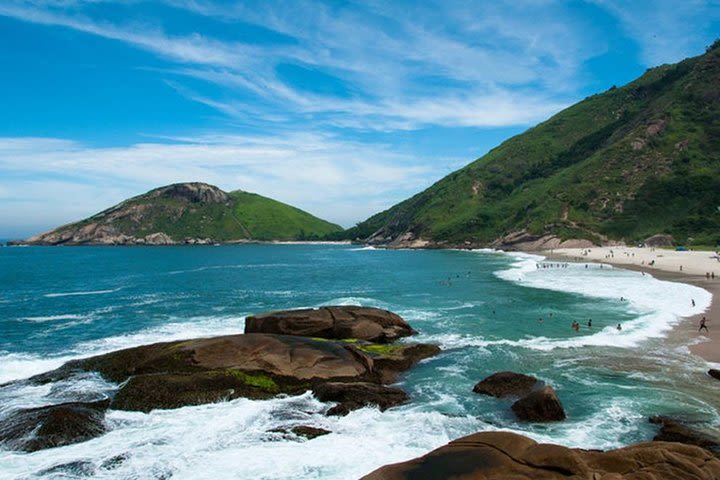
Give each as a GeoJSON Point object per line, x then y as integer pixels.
{"type": "Point", "coordinates": [334, 179]}
{"type": "Point", "coordinates": [403, 70]}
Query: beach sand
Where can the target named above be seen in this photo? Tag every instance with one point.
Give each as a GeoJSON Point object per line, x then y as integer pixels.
{"type": "Point", "coordinates": [666, 266]}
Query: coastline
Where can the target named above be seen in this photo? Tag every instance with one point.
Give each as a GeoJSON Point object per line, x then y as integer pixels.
{"type": "Point", "coordinates": [666, 267]}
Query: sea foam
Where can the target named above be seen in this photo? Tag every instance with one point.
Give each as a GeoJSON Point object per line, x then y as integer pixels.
{"type": "Point", "coordinates": [656, 304]}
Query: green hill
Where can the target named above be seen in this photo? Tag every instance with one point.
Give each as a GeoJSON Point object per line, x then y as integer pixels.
{"type": "Point", "coordinates": [623, 165]}
{"type": "Point", "coordinates": [191, 213]}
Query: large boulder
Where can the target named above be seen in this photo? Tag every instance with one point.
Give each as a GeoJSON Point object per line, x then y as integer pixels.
{"type": "Point", "coordinates": [540, 406]}
{"type": "Point", "coordinates": [715, 373]}
{"type": "Point", "coordinates": [175, 374]}
{"type": "Point", "coordinates": [659, 240]}
{"type": "Point", "coordinates": [506, 384]}
{"type": "Point", "coordinates": [35, 429]}
{"type": "Point", "coordinates": [505, 455]}
{"type": "Point", "coordinates": [344, 322]}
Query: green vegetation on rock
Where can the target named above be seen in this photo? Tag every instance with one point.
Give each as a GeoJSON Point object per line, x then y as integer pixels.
{"type": "Point", "coordinates": [624, 164]}
{"type": "Point", "coordinates": [260, 381]}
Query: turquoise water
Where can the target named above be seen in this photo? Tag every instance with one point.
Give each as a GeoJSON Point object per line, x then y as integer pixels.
{"type": "Point", "coordinates": [482, 308]}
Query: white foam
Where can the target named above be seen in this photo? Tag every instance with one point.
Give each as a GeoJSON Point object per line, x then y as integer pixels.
{"type": "Point", "coordinates": [80, 293]}
{"type": "Point", "coordinates": [53, 318]}
{"type": "Point", "coordinates": [233, 440]}
{"type": "Point", "coordinates": [656, 304]}
{"type": "Point", "coordinates": [15, 366]}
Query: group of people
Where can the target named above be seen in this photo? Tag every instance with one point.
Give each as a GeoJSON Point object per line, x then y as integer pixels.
{"type": "Point", "coordinates": [576, 325]}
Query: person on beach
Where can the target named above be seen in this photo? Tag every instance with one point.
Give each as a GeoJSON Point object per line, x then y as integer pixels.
{"type": "Point", "coordinates": [693, 301]}
{"type": "Point", "coordinates": [703, 324]}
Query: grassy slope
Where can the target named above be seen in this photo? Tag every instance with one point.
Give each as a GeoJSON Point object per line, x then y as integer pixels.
{"type": "Point", "coordinates": [577, 174]}
{"type": "Point", "coordinates": [249, 216]}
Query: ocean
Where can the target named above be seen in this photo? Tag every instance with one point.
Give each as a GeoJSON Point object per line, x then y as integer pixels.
{"type": "Point", "coordinates": [482, 307]}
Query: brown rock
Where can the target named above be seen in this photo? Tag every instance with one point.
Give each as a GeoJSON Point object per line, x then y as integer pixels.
{"type": "Point", "coordinates": [505, 455]}
{"type": "Point", "coordinates": [309, 432]}
{"type": "Point", "coordinates": [351, 396]}
{"type": "Point", "coordinates": [35, 429]}
{"type": "Point", "coordinates": [505, 384]}
{"type": "Point", "coordinates": [254, 365]}
{"type": "Point", "coordinates": [540, 406]}
{"type": "Point", "coordinates": [672, 430]}
{"type": "Point", "coordinates": [364, 323]}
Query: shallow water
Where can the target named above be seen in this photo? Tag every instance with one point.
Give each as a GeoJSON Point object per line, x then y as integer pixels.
{"type": "Point", "coordinates": [482, 308]}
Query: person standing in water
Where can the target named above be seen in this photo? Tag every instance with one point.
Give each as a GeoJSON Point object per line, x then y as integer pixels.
{"type": "Point", "coordinates": [619, 327]}
{"type": "Point", "coordinates": [703, 324]}
{"type": "Point", "coordinates": [589, 323]}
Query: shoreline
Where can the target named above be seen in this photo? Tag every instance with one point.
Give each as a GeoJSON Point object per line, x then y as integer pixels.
{"type": "Point", "coordinates": [694, 263]}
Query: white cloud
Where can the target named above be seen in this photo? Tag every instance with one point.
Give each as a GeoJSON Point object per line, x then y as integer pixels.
{"type": "Point", "coordinates": [340, 181]}
{"type": "Point", "coordinates": [458, 65]}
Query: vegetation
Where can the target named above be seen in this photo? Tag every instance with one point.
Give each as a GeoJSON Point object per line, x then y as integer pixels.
{"type": "Point", "coordinates": [626, 164]}
{"type": "Point", "coordinates": [201, 211]}
{"type": "Point", "coordinates": [260, 381]}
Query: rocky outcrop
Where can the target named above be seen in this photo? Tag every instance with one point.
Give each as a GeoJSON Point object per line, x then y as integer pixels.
{"type": "Point", "coordinates": [659, 240]}
{"type": "Point", "coordinates": [672, 430]}
{"type": "Point", "coordinates": [505, 455]}
{"type": "Point", "coordinates": [35, 429]}
{"type": "Point", "coordinates": [364, 323]}
{"type": "Point", "coordinates": [525, 241]}
{"type": "Point", "coordinates": [304, 431]}
{"type": "Point", "coordinates": [254, 365]}
{"type": "Point", "coordinates": [540, 406]}
{"type": "Point", "coordinates": [351, 396]}
{"type": "Point", "coordinates": [714, 373]}
{"type": "Point", "coordinates": [506, 384]}
{"type": "Point", "coordinates": [195, 192]}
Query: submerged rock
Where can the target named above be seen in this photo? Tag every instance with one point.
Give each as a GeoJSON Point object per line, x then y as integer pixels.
{"type": "Point", "coordinates": [354, 395]}
{"type": "Point", "coordinates": [506, 384]}
{"type": "Point", "coordinates": [540, 406]}
{"type": "Point", "coordinates": [309, 432]}
{"type": "Point", "coordinates": [672, 430]}
{"type": "Point", "coordinates": [505, 455]}
{"type": "Point", "coordinates": [343, 322]}
{"type": "Point", "coordinates": [176, 374]}
{"type": "Point", "coordinates": [35, 429]}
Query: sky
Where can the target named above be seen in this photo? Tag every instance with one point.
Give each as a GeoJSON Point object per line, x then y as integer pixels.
{"type": "Point", "coordinates": [340, 108]}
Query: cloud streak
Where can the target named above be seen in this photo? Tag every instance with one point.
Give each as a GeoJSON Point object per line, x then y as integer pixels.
{"type": "Point", "coordinates": [334, 179]}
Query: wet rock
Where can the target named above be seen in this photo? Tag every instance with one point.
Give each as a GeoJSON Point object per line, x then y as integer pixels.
{"type": "Point", "coordinates": [505, 455]}
{"type": "Point", "coordinates": [70, 470]}
{"type": "Point", "coordinates": [714, 373]}
{"type": "Point", "coordinates": [672, 430]}
{"type": "Point", "coordinates": [344, 322]}
{"type": "Point", "coordinates": [309, 432]}
{"type": "Point", "coordinates": [354, 395]}
{"type": "Point", "coordinates": [506, 384]}
{"type": "Point", "coordinates": [540, 406]}
{"type": "Point", "coordinates": [193, 372]}
{"type": "Point", "coordinates": [35, 429]}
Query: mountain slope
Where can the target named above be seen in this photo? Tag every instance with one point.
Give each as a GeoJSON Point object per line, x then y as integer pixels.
{"type": "Point", "coordinates": [190, 213]}
{"type": "Point", "coordinates": [622, 165]}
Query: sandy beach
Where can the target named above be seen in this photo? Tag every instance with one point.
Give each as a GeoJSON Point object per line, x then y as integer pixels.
{"type": "Point", "coordinates": [680, 266]}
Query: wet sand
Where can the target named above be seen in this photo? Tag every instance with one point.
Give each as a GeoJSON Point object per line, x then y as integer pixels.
{"type": "Point", "coordinates": [667, 267]}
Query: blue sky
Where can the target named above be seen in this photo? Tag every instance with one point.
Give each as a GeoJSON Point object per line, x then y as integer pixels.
{"type": "Point", "coordinates": [339, 108]}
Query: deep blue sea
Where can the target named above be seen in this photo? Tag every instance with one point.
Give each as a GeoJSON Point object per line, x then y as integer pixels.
{"type": "Point", "coordinates": [482, 308]}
